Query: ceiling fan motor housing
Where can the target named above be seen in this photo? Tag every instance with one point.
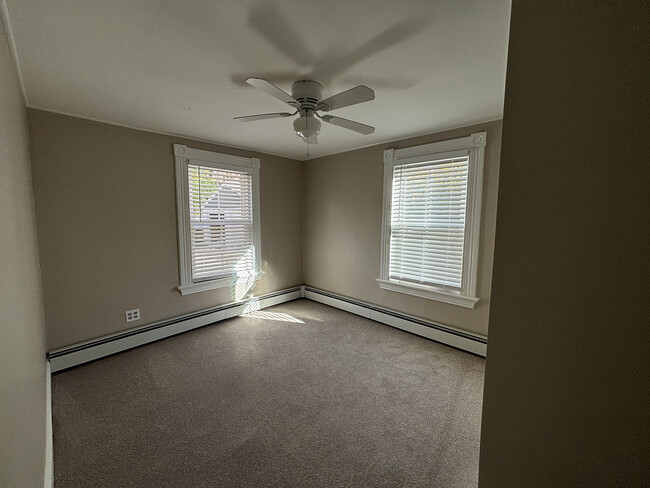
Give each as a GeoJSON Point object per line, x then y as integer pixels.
{"type": "Point", "coordinates": [307, 93]}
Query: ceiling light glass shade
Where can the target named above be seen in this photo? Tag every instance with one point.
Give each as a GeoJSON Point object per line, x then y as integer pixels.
{"type": "Point", "coordinates": [306, 126]}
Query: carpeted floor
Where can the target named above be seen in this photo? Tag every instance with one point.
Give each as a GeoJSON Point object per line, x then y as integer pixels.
{"type": "Point", "coordinates": [297, 395]}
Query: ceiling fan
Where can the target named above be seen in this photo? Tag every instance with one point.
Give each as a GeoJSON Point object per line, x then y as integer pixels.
{"type": "Point", "coordinates": [306, 98]}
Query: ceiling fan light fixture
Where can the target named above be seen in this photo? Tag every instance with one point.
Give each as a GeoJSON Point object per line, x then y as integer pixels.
{"type": "Point", "coordinates": [306, 126]}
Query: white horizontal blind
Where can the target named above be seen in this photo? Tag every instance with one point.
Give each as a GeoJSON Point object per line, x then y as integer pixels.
{"type": "Point", "coordinates": [427, 226]}
{"type": "Point", "coordinates": [221, 222]}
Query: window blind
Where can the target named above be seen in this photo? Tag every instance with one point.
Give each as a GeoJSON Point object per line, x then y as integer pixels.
{"type": "Point", "coordinates": [221, 222]}
{"type": "Point", "coordinates": [427, 228]}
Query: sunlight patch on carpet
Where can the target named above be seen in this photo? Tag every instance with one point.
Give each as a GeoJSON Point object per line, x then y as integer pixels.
{"type": "Point", "coordinates": [279, 317]}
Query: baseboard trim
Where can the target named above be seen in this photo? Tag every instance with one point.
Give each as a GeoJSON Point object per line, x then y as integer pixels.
{"type": "Point", "coordinates": [74, 355]}
{"type": "Point", "coordinates": [48, 479]}
{"type": "Point", "coordinates": [84, 352]}
{"type": "Point", "coordinates": [474, 343]}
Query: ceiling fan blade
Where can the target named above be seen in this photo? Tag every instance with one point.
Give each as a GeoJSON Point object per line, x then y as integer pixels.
{"type": "Point", "coordinates": [273, 90]}
{"type": "Point", "coordinates": [250, 118]}
{"type": "Point", "coordinates": [358, 94]}
{"type": "Point", "coordinates": [349, 124]}
{"type": "Point", "coordinates": [311, 140]}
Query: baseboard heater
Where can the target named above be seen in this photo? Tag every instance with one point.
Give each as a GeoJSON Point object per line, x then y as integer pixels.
{"type": "Point", "coordinates": [84, 352]}
{"type": "Point", "coordinates": [474, 343]}
{"type": "Point", "coordinates": [81, 353]}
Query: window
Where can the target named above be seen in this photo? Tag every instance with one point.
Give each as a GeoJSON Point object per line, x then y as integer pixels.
{"type": "Point", "coordinates": [432, 208]}
{"type": "Point", "coordinates": [217, 197]}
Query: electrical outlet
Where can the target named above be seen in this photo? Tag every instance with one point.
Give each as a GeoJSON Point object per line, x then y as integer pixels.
{"type": "Point", "coordinates": [132, 315]}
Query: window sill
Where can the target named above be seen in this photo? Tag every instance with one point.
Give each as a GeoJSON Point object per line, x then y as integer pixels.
{"type": "Point", "coordinates": [219, 283]}
{"type": "Point", "coordinates": [429, 293]}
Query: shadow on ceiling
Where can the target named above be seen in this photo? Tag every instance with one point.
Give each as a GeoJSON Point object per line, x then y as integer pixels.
{"type": "Point", "coordinates": [271, 25]}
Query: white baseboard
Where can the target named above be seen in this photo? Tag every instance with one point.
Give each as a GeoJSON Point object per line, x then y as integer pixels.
{"type": "Point", "coordinates": [48, 480]}
{"type": "Point", "coordinates": [460, 339]}
{"type": "Point", "coordinates": [77, 354]}
{"type": "Point", "coordinates": [84, 352]}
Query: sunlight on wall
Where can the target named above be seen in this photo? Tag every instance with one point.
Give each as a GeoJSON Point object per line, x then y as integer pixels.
{"type": "Point", "coordinates": [242, 286]}
{"type": "Point", "coordinates": [245, 280]}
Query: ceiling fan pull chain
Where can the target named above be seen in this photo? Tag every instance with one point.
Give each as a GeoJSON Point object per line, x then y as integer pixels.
{"type": "Point", "coordinates": [307, 148]}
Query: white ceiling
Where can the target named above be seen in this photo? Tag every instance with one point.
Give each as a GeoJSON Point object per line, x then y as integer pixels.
{"type": "Point", "coordinates": [179, 67]}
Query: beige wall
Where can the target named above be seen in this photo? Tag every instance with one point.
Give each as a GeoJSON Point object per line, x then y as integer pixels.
{"type": "Point", "coordinates": [106, 216]}
{"type": "Point", "coordinates": [22, 338]}
{"type": "Point", "coordinates": [566, 399]}
{"type": "Point", "coordinates": [342, 229]}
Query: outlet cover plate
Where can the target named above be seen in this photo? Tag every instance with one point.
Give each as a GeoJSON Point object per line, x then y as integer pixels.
{"type": "Point", "coordinates": [132, 315]}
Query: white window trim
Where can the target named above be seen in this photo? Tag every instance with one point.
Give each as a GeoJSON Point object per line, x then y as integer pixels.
{"type": "Point", "coordinates": [183, 156]}
{"type": "Point", "coordinates": [475, 147]}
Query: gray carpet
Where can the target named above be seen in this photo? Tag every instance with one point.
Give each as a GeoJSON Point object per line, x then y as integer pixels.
{"type": "Point", "coordinates": [295, 395]}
